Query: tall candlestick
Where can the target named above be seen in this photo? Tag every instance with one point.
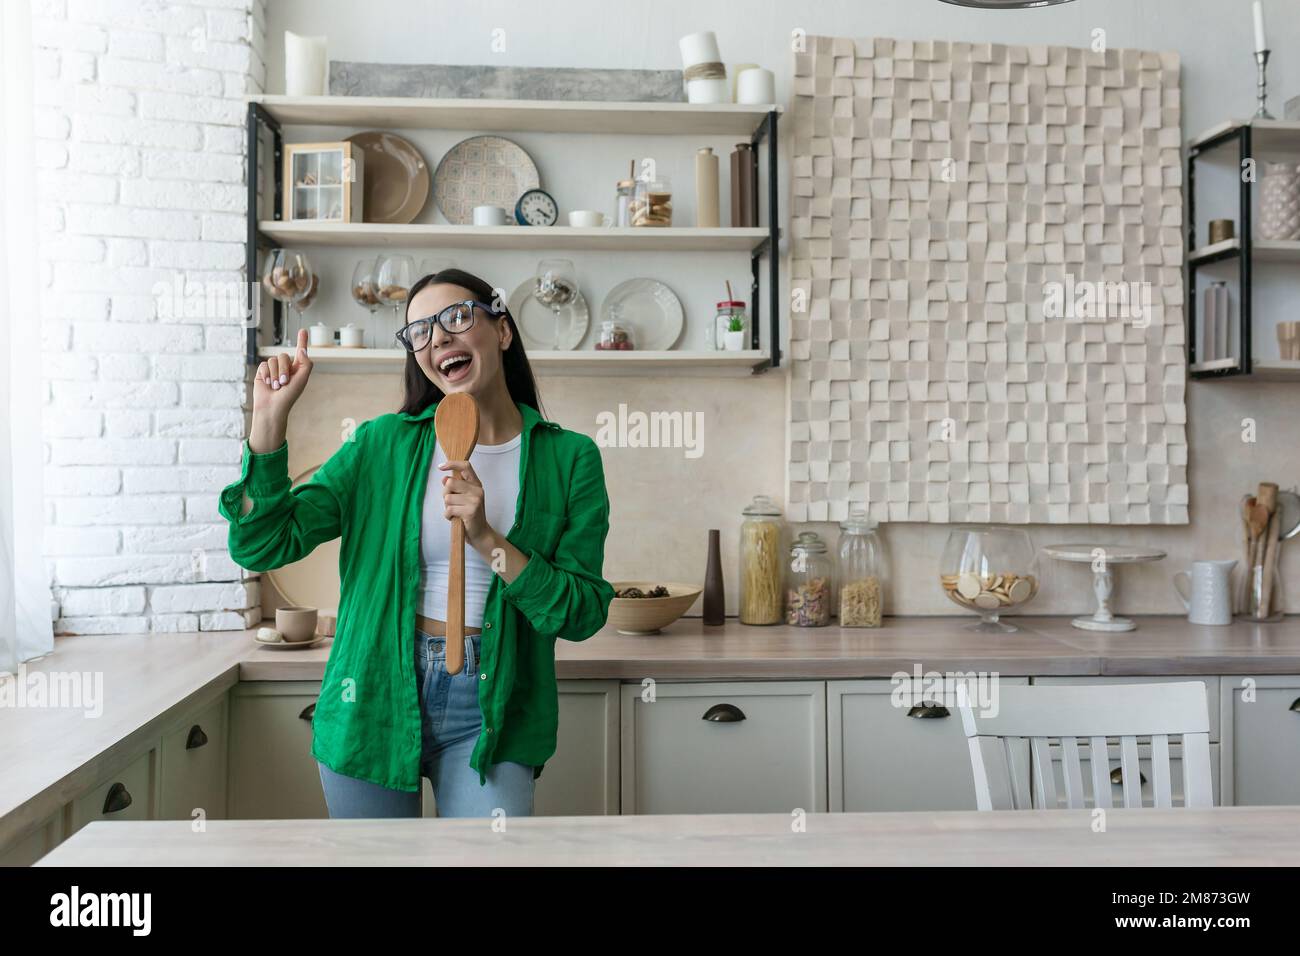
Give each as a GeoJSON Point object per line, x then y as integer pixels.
{"type": "Point", "coordinates": [1260, 43]}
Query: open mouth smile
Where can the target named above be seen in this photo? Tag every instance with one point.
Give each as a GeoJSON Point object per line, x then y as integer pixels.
{"type": "Point", "coordinates": [455, 366]}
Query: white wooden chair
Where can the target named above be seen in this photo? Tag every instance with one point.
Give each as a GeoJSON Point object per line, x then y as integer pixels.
{"type": "Point", "coordinates": [1093, 713]}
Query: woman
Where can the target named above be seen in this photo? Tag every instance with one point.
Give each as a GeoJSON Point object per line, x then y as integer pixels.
{"type": "Point", "coordinates": [536, 513]}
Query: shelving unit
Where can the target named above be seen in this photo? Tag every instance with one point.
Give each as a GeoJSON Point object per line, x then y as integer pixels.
{"type": "Point", "coordinates": [570, 362]}
{"type": "Point", "coordinates": [1255, 140]}
{"type": "Point", "coordinates": [759, 123]}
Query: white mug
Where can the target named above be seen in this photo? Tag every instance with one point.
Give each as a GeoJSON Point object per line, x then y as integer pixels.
{"type": "Point", "coordinates": [756, 85]}
{"type": "Point", "coordinates": [350, 337]}
{"type": "Point", "coordinates": [489, 216]}
{"type": "Point", "coordinates": [1209, 600]}
{"type": "Point", "coordinates": [588, 218]}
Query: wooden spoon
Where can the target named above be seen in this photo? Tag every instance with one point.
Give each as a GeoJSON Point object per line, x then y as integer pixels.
{"type": "Point", "coordinates": [455, 423]}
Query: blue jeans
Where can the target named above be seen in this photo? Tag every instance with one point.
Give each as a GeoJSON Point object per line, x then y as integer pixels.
{"type": "Point", "coordinates": [451, 722]}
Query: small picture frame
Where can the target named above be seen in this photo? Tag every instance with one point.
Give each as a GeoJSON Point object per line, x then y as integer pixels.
{"type": "Point", "coordinates": [323, 182]}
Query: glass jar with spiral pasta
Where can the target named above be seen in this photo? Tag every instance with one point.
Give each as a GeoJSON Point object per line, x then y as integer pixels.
{"type": "Point", "coordinates": [859, 571]}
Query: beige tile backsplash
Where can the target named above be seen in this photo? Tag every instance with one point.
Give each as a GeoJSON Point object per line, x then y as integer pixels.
{"type": "Point", "coordinates": [663, 502]}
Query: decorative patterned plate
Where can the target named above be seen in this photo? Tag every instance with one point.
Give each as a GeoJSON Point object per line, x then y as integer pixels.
{"type": "Point", "coordinates": [649, 309]}
{"type": "Point", "coordinates": [536, 322]}
{"type": "Point", "coordinates": [482, 171]}
{"type": "Point", "coordinates": [395, 186]}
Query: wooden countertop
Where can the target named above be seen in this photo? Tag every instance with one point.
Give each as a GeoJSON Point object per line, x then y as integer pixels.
{"type": "Point", "coordinates": [1231, 836]}
{"type": "Point", "coordinates": [49, 755]}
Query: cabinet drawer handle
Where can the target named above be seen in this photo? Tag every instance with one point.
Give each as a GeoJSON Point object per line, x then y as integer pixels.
{"type": "Point", "coordinates": [1295, 706]}
{"type": "Point", "coordinates": [308, 711]}
{"type": "Point", "coordinates": [1117, 776]}
{"type": "Point", "coordinates": [119, 798]}
{"type": "Point", "coordinates": [928, 710]}
{"type": "Point", "coordinates": [724, 713]}
{"type": "Point", "coordinates": [196, 739]}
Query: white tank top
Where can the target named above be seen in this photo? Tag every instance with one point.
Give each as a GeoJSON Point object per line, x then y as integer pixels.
{"type": "Point", "coordinates": [497, 467]}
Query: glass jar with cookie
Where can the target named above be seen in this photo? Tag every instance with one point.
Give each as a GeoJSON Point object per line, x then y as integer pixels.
{"type": "Point", "coordinates": [990, 570]}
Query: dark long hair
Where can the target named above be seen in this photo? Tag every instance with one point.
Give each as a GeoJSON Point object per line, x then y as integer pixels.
{"type": "Point", "coordinates": [419, 390]}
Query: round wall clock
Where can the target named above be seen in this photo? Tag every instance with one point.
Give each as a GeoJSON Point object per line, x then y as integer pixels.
{"type": "Point", "coordinates": [536, 208]}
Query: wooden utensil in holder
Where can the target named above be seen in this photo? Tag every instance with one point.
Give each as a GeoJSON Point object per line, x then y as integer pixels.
{"type": "Point", "coordinates": [1262, 518]}
{"type": "Point", "coordinates": [456, 424]}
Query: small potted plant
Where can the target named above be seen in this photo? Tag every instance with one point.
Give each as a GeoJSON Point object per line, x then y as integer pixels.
{"type": "Point", "coordinates": [735, 334]}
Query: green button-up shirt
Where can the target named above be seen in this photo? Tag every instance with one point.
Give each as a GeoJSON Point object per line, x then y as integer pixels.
{"type": "Point", "coordinates": [371, 493]}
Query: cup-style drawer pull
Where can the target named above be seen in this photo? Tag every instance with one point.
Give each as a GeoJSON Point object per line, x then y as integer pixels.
{"type": "Point", "coordinates": [119, 798]}
{"type": "Point", "coordinates": [196, 739]}
{"type": "Point", "coordinates": [1295, 706]}
{"type": "Point", "coordinates": [724, 713]}
{"type": "Point", "coordinates": [308, 711]}
{"type": "Point", "coordinates": [1117, 776]}
{"type": "Point", "coordinates": [928, 710]}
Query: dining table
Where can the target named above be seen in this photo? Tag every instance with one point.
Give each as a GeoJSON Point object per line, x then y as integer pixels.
{"type": "Point", "coordinates": [1174, 837]}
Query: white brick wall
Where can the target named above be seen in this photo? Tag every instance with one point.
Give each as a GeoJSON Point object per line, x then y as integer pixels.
{"type": "Point", "coordinates": [140, 181]}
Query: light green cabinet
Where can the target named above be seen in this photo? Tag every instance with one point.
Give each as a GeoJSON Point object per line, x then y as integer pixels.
{"type": "Point", "coordinates": [582, 778]}
{"type": "Point", "coordinates": [1261, 740]}
{"type": "Point", "coordinates": [29, 848]}
{"type": "Point", "coordinates": [192, 765]}
{"type": "Point", "coordinates": [125, 794]}
{"type": "Point", "coordinates": [734, 747]}
{"type": "Point", "coordinates": [900, 746]}
{"type": "Point", "coordinates": [273, 775]}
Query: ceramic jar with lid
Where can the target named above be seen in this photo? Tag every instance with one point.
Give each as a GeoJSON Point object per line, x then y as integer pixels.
{"type": "Point", "coordinates": [808, 584]}
{"type": "Point", "coordinates": [859, 573]}
{"type": "Point", "coordinates": [761, 561]}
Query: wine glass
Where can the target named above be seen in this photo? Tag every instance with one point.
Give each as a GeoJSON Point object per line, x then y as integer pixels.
{"type": "Point", "coordinates": [365, 292]}
{"type": "Point", "coordinates": [394, 276]}
{"type": "Point", "coordinates": [556, 287]}
{"type": "Point", "coordinates": [287, 277]}
{"type": "Point", "coordinates": [990, 570]}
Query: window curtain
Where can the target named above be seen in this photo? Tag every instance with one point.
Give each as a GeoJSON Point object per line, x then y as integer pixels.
{"type": "Point", "coordinates": [25, 629]}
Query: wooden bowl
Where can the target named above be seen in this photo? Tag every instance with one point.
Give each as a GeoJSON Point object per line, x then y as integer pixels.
{"type": "Point", "coordinates": [647, 615]}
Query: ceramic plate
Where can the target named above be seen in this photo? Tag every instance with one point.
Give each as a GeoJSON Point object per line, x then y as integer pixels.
{"type": "Point", "coordinates": [482, 171]}
{"type": "Point", "coordinates": [536, 322]}
{"type": "Point", "coordinates": [649, 309]}
{"type": "Point", "coordinates": [312, 581]}
{"type": "Point", "coordinates": [395, 185]}
{"type": "Point", "coordinates": [293, 645]}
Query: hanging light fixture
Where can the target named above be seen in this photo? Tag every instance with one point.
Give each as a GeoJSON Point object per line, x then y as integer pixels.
{"type": "Point", "coordinates": [1005, 4]}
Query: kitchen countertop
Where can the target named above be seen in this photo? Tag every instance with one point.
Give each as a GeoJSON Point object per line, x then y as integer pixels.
{"type": "Point", "coordinates": [1222, 836]}
{"type": "Point", "coordinates": [51, 754]}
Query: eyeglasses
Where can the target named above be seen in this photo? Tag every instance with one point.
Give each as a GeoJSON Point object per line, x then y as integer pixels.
{"type": "Point", "coordinates": [455, 319]}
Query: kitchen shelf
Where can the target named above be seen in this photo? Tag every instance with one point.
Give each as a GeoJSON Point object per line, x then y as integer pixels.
{"type": "Point", "coordinates": [1265, 250]}
{"type": "Point", "coordinates": [1270, 136]}
{"type": "Point", "coordinates": [539, 116]}
{"type": "Point", "coordinates": [576, 362]}
{"type": "Point", "coordinates": [1252, 140]}
{"type": "Point", "coordinates": [630, 238]}
{"type": "Point", "coordinates": [758, 123]}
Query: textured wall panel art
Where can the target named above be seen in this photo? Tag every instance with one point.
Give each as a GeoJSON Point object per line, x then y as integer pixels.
{"type": "Point", "coordinates": [987, 287]}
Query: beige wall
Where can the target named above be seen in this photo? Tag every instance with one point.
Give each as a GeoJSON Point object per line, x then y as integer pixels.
{"type": "Point", "coordinates": [663, 502]}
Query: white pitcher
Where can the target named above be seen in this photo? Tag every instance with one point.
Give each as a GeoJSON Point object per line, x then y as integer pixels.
{"type": "Point", "coordinates": [1210, 600]}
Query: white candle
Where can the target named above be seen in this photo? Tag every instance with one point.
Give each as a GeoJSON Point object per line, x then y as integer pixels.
{"type": "Point", "coordinates": [1259, 27]}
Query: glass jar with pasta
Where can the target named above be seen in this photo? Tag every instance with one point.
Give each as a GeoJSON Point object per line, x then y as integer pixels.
{"type": "Point", "coordinates": [808, 591]}
{"type": "Point", "coordinates": [761, 560]}
{"type": "Point", "coordinates": [859, 572]}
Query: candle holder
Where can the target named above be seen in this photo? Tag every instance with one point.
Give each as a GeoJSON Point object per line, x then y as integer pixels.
{"type": "Point", "coordinates": [1261, 84]}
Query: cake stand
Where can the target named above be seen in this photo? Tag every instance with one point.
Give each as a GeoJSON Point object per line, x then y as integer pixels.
{"type": "Point", "coordinates": [1101, 557]}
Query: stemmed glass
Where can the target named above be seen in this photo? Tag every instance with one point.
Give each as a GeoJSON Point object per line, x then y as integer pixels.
{"type": "Point", "coordinates": [365, 292]}
{"type": "Point", "coordinates": [556, 287]}
{"type": "Point", "coordinates": [989, 570]}
{"type": "Point", "coordinates": [394, 276]}
{"type": "Point", "coordinates": [287, 277]}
